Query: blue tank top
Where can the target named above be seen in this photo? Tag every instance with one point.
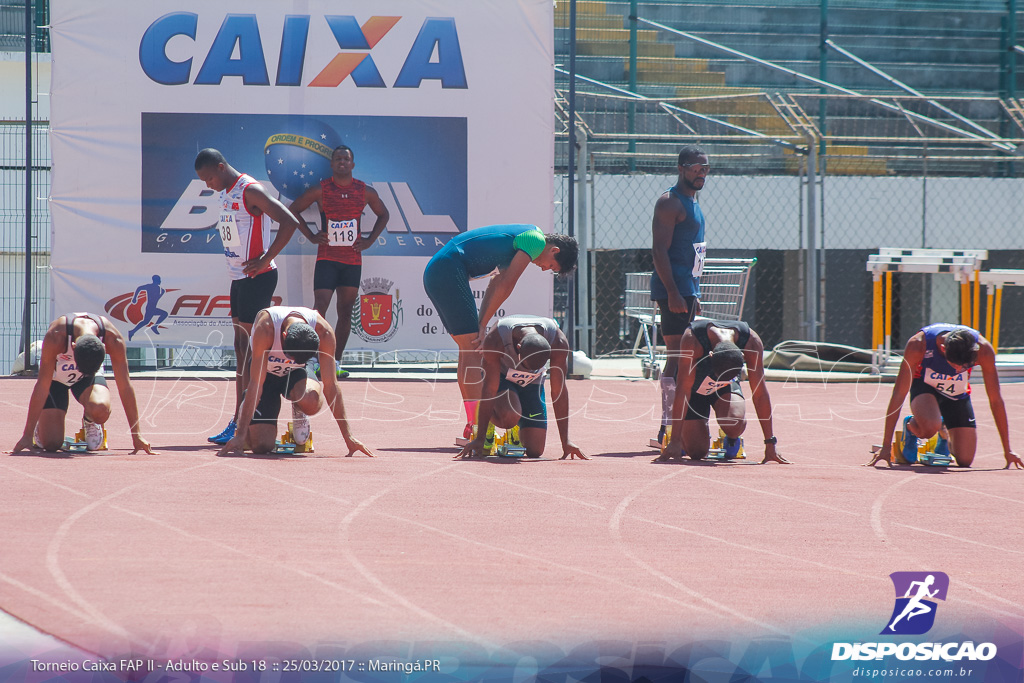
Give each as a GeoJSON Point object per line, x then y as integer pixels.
{"type": "Point", "coordinates": [482, 250]}
{"type": "Point", "coordinates": [685, 253]}
{"type": "Point", "coordinates": [936, 371]}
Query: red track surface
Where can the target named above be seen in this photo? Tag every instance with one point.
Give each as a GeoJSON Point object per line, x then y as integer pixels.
{"type": "Point", "coordinates": [116, 552]}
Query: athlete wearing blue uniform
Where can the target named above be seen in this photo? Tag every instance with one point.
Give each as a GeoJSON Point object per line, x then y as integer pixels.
{"type": "Point", "coordinates": [936, 369]}
{"type": "Point", "coordinates": [678, 250]}
{"type": "Point", "coordinates": [501, 252]}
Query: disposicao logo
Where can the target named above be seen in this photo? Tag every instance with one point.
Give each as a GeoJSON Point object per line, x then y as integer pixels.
{"type": "Point", "coordinates": [917, 594]}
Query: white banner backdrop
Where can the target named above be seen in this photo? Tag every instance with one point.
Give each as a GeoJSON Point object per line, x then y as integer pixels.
{"type": "Point", "coordinates": [446, 105]}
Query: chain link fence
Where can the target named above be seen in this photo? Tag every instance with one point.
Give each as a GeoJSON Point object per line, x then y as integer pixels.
{"type": "Point", "coordinates": [896, 171]}
{"type": "Point", "coordinates": [13, 238]}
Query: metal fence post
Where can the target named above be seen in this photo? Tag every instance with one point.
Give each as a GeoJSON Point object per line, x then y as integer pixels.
{"type": "Point", "coordinates": [632, 82]}
{"type": "Point", "coordinates": [26, 321]}
{"type": "Point", "coordinates": [811, 302]}
{"type": "Point", "coordinates": [583, 297]}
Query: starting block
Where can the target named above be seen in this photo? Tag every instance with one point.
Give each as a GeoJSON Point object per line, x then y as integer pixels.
{"type": "Point", "coordinates": [72, 446]}
{"type": "Point", "coordinates": [286, 444]}
{"type": "Point", "coordinates": [505, 446]}
{"type": "Point", "coordinates": [78, 444]}
{"type": "Point", "coordinates": [716, 452]}
{"type": "Point", "coordinates": [508, 451]}
{"type": "Point", "coordinates": [926, 454]}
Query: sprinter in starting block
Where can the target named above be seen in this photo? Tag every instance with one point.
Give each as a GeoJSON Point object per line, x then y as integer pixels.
{"type": "Point", "coordinates": [936, 370]}
{"type": "Point", "coordinates": [515, 354]}
{"type": "Point", "coordinates": [712, 354]}
{"type": "Point", "coordinates": [71, 362]}
{"type": "Point", "coordinates": [283, 339]}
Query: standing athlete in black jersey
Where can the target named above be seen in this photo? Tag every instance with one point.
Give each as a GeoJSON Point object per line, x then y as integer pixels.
{"type": "Point", "coordinates": [678, 250]}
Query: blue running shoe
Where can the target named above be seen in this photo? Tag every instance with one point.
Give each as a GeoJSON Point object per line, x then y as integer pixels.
{"type": "Point", "coordinates": [225, 436]}
{"type": "Point", "coordinates": [731, 446]}
{"type": "Point", "coordinates": [909, 441]}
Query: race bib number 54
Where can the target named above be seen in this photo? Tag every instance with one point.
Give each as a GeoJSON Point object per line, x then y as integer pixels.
{"type": "Point", "coordinates": [950, 385]}
{"type": "Point", "coordinates": [342, 233]}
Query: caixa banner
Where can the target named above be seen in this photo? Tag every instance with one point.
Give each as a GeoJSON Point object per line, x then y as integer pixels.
{"type": "Point", "coordinates": [449, 121]}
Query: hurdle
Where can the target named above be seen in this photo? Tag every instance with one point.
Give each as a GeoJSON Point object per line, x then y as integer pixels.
{"type": "Point", "coordinates": [994, 281]}
{"type": "Point", "coordinates": [963, 264]}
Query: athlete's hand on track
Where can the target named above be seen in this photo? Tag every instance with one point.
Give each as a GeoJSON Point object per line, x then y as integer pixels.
{"type": "Point", "coordinates": [362, 244]}
{"type": "Point", "coordinates": [673, 451]}
{"type": "Point", "coordinates": [473, 449]}
{"type": "Point", "coordinates": [138, 443]}
{"type": "Point", "coordinates": [1012, 459]}
{"type": "Point", "coordinates": [356, 446]}
{"type": "Point", "coordinates": [771, 455]}
{"type": "Point", "coordinates": [880, 455]}
{"type": "Point", "coordinates": [572, 451]}
{"type": "Point", "coordinates": [25, 443]}
{"type": "Point", "coordinates": [321, 238]}
{"type": "Point", "coordinates": [232, 447]}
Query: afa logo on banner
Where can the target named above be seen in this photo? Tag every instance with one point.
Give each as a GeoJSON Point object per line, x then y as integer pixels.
{"type": "Point", "coordinates": [916, 596]}
{"type": "Point", "coordinates": [145, 308]}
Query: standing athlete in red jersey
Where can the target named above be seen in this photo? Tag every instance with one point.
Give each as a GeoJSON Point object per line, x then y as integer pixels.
{"type": "Point", "coordinates": [340, 243]}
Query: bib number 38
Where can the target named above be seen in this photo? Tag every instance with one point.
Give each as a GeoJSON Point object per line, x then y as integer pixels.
{"type": "Point", "coordinates": [229, 231]}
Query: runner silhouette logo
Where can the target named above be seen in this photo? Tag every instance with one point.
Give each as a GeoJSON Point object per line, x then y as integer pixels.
{"type": "Point", "coordinates": [917, 594]}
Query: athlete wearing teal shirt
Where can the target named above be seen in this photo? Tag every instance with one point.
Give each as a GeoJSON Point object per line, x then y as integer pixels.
{"type": "Point", "coordinates": [502, 251]}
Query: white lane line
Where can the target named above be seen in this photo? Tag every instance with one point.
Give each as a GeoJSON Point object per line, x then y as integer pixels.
{"type": "Point", "coordinates": [614, 527]}
{"type": "Point", "coordinates": [346, 550]}
{"type": "Point", "coordinates": [559, 496]}
{"type": "Point", "coordinates": [274, 563]}
{"type": "Point", "coordinates": [289, 483]}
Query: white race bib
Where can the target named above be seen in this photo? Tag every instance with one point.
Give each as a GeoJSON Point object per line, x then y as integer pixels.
{"type": "Point", "coordinates": [522, 377]}
{"type": "Point", "coordinates": [948, 385]}
{"type": "Point", "coordinates": [279, 364]}
{"type": "Point", "coordinates": [229, 231]}
{"type": "Point", "coordinates": [710, 386]}
{"type": "Point", "coordinates": [700, 250]}
{"type": "Point", "coordinates": [66, 371]}
{"type": "Point", "coordinates": [342, 233]}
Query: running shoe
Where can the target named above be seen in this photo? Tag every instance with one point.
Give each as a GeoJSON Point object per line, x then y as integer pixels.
{"type": "Point", "coordinates": [300, 426]}
{"type": "Point", "coordinates": [225, 436]}
{"type": "Point", "coordinates": [93, 434]}
{"type": "Point", "coordinates": [731, 446]}
{"type": "Point", "coordinates": [909, 441]}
